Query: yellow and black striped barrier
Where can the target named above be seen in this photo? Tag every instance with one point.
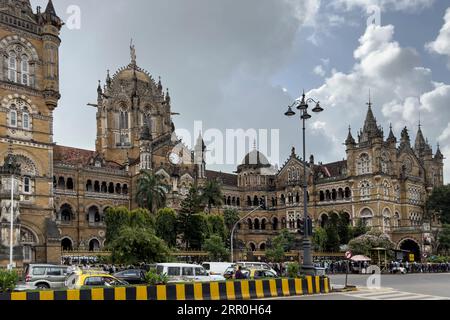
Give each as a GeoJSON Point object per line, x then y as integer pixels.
{"type": "Point", "coordinates": [230, 290]}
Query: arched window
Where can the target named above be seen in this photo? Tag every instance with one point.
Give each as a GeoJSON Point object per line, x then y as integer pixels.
{"type": "Point", "coordinates": [364, 165]}
{"type": "Point", "coordinates": [93, 215]}
{"type": "Point", "coordinates": [263, 224]}
{"type": "Point", "coordinates": [385, 164]}
{"type": "Point", "coordinates": [123, 124]}
{"type": "Point", "coordinates": [348, 193]}
{"type": "Point", "coordinates": [386, 188]}
{"type": "Point", "coordinates": [275, 223]}
{"type": "Point", "coordinates": [111, 187]}
{"type": "Point", "coordinates": [61, 183]}
{"type": "Point", "coordinates": [366, 217]}
{"type": "Point", "coordinates": [321, 196]}
{"type": "Point", "coordinates": [27, 185]}
{"type": "Point", "coordinates": [12, 67]}
{"type": "Point", "coordinates": [125, 189]}
{"type": "Point", "coordinates": [25, 70]}
{"type": "Point", "coordinates": [250, 224]}
{"type": "Point", "coordinates": [69, 184]}
{"type": "Point", "coordinates": [255, 201]}
{"type": "Point", "coordinates": [13, 118]}
{"type": "Point", "coordinates": [365, 190]}
{"type": "Point", "coordinates": [89, 185]}
{"type": "Point", "coordinates": [66, 213]}
{"type": "Point", "coordinates": [256, 224]}
{"type": "Point", "coordinates": [25, 120]}
{"type": "Point", "coordinates": [94, 245]}
{"type": "Point", "coordinates": [396, 221]}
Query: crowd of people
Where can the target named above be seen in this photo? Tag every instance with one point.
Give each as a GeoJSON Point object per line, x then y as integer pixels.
{"type": "Point", "coordinates": [337, 267]}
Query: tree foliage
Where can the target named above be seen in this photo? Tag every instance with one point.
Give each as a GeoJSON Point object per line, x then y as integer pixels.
{"type": "Point", "coordinates": [215, 247]}
{"type": "Point", "coordinates": [166, 226]}
{"type": "Point", "coordinates": [279, 245]}
{"type": "Point", "coordinates": [136, 244]}
{"type": "Point", "coordinates": [444, 239]}
{"type": "Point", "coordinates": [212, 194]}
{"type": "Point", "coordinates": [151, 191]}
{"type": "Point", "coordinates": [439, 203]}
{"type": "Point", "coordinates": [373, 239]}
{"type": "Point", "coordinates": [319, 239]}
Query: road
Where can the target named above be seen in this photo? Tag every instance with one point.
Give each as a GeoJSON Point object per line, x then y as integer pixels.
{"type": "Point", "coordinates": [392, 287]}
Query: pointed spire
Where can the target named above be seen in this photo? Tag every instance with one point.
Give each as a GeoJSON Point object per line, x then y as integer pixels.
{"type": "Point", "coordinates": [420, 143]}
{"type": "Point", "coordinates": [167, 96]}
{"type": "Point", "coordinates": [405, 140]}
{"type": "Point", "coordinates": [50, 9]}
{"type": "Point", "coordinates": [293, 155]}
{"type": "Point", "coordinates": [99, 88]}
{"type": "Point", "coordinates": [350, 140]}
{"type": "Point", "coordinates": [108, 79]}
{"type": "Point", "coordinates": [439, 154]}
{"type": "Point", "coordinates": [160, 87]}
{"type": "Point", "coordinates": [391, 138]}
{"type": "Point", "coordinates": [370, 129]}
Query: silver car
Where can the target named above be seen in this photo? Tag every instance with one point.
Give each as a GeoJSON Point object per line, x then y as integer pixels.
{"type": "Point", "coordinates": [45, 276]}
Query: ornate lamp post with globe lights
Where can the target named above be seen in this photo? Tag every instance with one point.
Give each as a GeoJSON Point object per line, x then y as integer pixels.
{"type": "Point", "coordinates": [302, 106]}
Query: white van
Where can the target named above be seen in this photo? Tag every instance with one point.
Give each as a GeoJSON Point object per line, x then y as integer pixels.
{"type": "Point", "coordinates": [179, 272]}
{"type": "Point", "coordinates": [216, 268]}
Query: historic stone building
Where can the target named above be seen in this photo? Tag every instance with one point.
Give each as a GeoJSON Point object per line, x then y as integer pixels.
{"type": "Point", "coordinates": [62, 192]}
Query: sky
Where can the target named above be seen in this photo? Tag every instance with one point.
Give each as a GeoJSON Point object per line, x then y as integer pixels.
{"type": "Point", "coordinates": [239, 64]}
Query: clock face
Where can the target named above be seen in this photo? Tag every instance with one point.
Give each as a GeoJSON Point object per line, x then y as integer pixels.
{"type": "Point", "coordinates": [174, 158]}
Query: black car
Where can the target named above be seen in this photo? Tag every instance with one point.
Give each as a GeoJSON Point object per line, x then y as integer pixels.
{"type": "Point", "coordinates": [132, 276]}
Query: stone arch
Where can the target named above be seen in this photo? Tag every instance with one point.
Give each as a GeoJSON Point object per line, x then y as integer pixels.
{"type": "Point", "coordinates": [251, 246]}
{"type": "Point", "coordinates": [262, 246]}
{"type": "Point", "coordinates": [366, 215]}
{"type": "Point", "coordinates": [94, 244]}
{"type": "Point", "coordinates": [275, 223]}
{"type": "Point", "coordinates": [323, 219]}
{"type": "Point", "coordinates": [165, 176]}
{"type": "Point", "coordinates": [10, 41]}
{"type": "Point", "coordinates": [66, 243]}
{"type": "Point", "coordinates": [412, 245]}
{"type": "Point", "coordinates": [93, 214]}
{"type": "Point", "coordinates": [29, 240]}
{"type": "Point", "coordinates": [65, 213]}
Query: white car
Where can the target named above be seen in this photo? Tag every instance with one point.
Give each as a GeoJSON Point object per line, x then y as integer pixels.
{"type": "Point", "coordinates": [181, 272]}
{"type": "Point", "coordinates": [216, 268]}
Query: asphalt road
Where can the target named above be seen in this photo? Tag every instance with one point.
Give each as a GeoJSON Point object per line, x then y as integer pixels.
{"type": "Point", "coordinates": [392, 287]}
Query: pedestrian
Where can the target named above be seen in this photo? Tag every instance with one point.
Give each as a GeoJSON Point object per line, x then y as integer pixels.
{"type": "Point", "coordinates": [239, 274]}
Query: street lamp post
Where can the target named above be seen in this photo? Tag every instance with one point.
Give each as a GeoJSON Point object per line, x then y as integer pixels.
{"type": "Point", "coordinates": [234, 229]}
{"type": "Point", "coordinates": [11, 225]}
{"type": "Point", "coordinates": [303, 106]}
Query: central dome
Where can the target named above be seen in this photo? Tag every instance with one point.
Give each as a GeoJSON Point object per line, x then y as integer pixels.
{"type": "Point", "coordinates": [130, 72]}
{"type": "Point", "coordinates": [255, 158]}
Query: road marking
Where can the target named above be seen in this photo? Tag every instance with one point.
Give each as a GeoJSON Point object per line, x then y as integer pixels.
{"type": "Point", "coordinates": [391, 295]}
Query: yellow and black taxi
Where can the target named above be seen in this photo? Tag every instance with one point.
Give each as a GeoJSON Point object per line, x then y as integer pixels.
{"type": "Point", "coordinates": [92, 279]}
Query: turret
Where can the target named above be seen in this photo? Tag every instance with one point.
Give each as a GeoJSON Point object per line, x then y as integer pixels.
{"type": "Point", "coordinates": [350, 141]}
{"type": "Point", "coordinates": [405, 141]}
{"type": "Point", "coordinates": [51, 28]}
{"type": "Point", "coordinates": [200, 157]}
{"type": "Point", "coordinates": [391, 138]}
{"type": "Point", "coordinates": [371, 130]}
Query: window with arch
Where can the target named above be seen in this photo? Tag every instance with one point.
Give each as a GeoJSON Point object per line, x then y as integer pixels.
{"type": "Point", "coordinates": [366, 217]}
{"type": "Point", "coordinates": [25, 70]}
{"type": "Point", "coordinates": [123, 123]}
{"type": "Point", "coordinates": [27, 185]}
{"type": "Point", "coordinates": [13, 118]}
{"type": "Point", "coordinates": [386, 189]}
{"type": "Point", "coordinates": [385, 164]}
{"type": "Point", "coordinates": [396, 222]}
{"type": "Point", "coordinates": [12, 66]}
{"type": "Point", "coordinates": [364, 164]}
{"type": "Point", "coordinates": [365, 190]}
{"type": "Point", "coordinates": [26, 120]}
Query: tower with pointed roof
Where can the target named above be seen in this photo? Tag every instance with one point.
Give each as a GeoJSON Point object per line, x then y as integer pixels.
{"type": "Point", "coordinates": [29, 91]}
{"type": "Point", "coordinates": [132, 111]}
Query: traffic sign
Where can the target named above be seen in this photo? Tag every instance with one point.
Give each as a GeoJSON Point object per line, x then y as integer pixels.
{"type": "Point", "coordinates": [348, 254]}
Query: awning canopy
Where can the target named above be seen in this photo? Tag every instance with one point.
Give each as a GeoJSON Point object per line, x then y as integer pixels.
{"type": "Point", "coordinates": [360, 258]}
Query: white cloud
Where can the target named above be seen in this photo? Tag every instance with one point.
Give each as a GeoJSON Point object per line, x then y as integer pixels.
{"type": "Point", "coordinates": [320, 71]}
{"type": "Point", "coordinates": [401, 90]}
{"type": "Point", "coordinates": [397, 5]}
{"type": "Point", "coordinates": [442, 43]}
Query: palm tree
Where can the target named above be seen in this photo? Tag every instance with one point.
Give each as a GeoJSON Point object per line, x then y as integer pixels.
{"type": "Point", "coordinates": [212, 194]}
{"type": "Point", "coordinates": [151, 192]}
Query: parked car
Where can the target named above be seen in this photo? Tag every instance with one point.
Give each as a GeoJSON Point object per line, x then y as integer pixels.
{"type": "Point", "coordinates": [231, 271]}
{"type": "Point", "coordinates": [93, 279]}
{"type": "Point", "coordinates": [180, 272]}
{"type": "Point", "coordinates": [255, 265]}
{"type": "Point", "coordinates": [216, 268]}
{"type": "Point", "coordinates": [44, 276]}
{"type": "Point", "coordinates": [132, 276]}
{"type": "Point", "coordinates": [262, 274]}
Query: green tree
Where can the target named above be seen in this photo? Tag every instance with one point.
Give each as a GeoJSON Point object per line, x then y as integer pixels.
{"type": "Point", "coordinates": [230, 217]}
{"type": "Point", "coordinates": [359, 230]}
{"type": "Point", "coordinates": [319, 239]}
{"type": "Point", "coordinates": [279, 245]}
{"type": "Point", "coordinates": [193, 203]}
{"type": "Point", "coordinates": [166, 226]}
{"type": "Point", "coordinates": [216, 225]}
{"type": "Point", "coordinates": [215, 247]}
{"type": "Point", "coordinates": [135, 244]}
{"type": "Point", "coordinates": [439, 204]}
{"type": "Point", "coordinates": [333, 241]}
{"type": "Point", "coordinates": [344, 229]}
{"type": "Point", "coordinates": [193, 229]}
{"type": "Point", "coordinates": [212, 194]}
{"type": "Point", "coordinates": [115, 218]}
{"type": "Point", "coordinates": [373, 239]}
{"type": "Point", "coordinates": [151, 192]}
{"type": "Point", "coordinates": [444, 239]}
